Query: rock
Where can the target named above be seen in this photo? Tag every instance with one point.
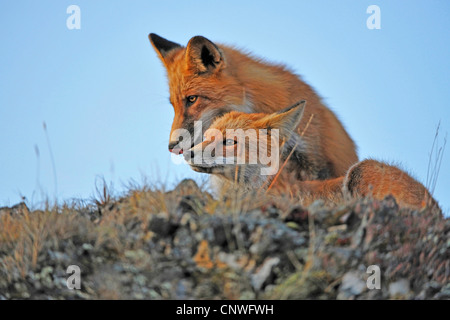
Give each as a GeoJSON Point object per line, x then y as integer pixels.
{"type": "Point", "coordinates": [19, 208]}
{"type": "Point", "coordinates": [297, 218]}
{"type": "Point", "coordinates": [21, 291]}
{"type": "Point", "coordinates": [145, 247]}
{"type": "Point", "coordinates": [87, 247]}
{"type": "Point", "coordinates": [187, 187]}
{"type": "Point", "coordinates": [140, 280]}
{"type": "Point", "coordinates": [444, 293]}
{"type": "Point", "coordinates": [263, 273]}
{"type": "Point", "coordinates": [399, 288]}
{"type": "Point", "coordinates": [160, 224]}
{"type": "Point", "coordinates": [352, 285]}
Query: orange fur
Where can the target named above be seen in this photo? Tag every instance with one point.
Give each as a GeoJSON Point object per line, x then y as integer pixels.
{"type": "Point", "coordinates": [378, 179]}
{"type": "Point", "coordinates": [225, 79]}
{"type": "Point", "coordinates": [366, 178]}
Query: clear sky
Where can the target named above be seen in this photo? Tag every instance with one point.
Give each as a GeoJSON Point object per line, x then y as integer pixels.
{"type": "Point", "coordinates": [103, 95]}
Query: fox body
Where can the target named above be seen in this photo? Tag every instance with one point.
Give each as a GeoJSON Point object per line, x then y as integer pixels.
{"type": "Point", "coordinates": [207, 80]}
{"type": "Point", "coordinates": [368, 177]}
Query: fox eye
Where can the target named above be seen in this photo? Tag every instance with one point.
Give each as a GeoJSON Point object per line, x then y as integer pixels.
{"type": "Point", "coordinates": [190, 100]}
{"type": "Point", "coordinates": [230, 142]}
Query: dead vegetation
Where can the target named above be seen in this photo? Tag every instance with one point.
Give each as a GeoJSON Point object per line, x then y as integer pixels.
{"type": "Point", "coordinates": [186, 244]}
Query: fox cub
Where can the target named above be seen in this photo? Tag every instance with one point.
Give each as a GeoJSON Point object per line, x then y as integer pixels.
{"type": "Point", "coordinates": [264, 151]}
{"type": "Point", "coordinates": [207, 80]}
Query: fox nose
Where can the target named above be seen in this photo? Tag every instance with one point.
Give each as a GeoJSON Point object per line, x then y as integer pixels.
{"type": "Point", "coordinates": [174, 148]}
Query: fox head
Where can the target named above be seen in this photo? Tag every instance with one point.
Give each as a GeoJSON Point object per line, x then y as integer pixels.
{"type": "Point", "coordinates": [200, 85]}
{"type": "Point", "coordinates": [247, 147]}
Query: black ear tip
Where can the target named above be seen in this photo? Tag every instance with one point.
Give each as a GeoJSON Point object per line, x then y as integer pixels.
{"type": "Point", "coordinates": [153, 37]}
{"type": "Point", "coordinates": [161, 44]}
{"type": "Point", "coordinates": [301, 103]}
{"type": "Point", "coordinates": [298, 105]}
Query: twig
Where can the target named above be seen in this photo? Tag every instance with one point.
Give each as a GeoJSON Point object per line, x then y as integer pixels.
{"type": "Point", "coordinates": [290, 154]}
{"type": "Point", "coordinates": [52, 159]}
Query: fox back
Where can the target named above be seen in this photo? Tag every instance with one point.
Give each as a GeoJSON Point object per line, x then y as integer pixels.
{"type": "Point", "coordinates": [379, 179]}
{"type": "Point", "coordinates": [207, 80]}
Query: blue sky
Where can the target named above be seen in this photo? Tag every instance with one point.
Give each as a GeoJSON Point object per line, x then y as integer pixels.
{"type": "Point", "coordinates": [102, 91]}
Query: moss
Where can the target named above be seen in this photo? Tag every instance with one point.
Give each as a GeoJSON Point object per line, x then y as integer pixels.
{"type": "Point", "coordinates": [178, 244]}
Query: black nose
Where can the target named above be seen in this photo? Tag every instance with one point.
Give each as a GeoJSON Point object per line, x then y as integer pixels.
{"type": "Point", "coordinates": [172, 144]}
{"type": "Point", "coordinates": [175, 148]}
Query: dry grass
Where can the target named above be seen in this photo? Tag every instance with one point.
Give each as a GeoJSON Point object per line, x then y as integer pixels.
{"type": "Point", "coordinates": [150, 242]}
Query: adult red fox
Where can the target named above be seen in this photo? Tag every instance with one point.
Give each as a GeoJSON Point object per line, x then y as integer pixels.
{"type": "Point", "coordinates": [207, 80]}
{"type": "Point", "coordinates": [234, 138]}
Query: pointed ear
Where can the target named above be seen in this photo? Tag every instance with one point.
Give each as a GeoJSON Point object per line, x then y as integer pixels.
{"type": "Point", "coordinates": [203, 56]}
{"type": "Point", "coordinates": [162, 46]}
{"type": "Point", "coordinates": [287, 120]}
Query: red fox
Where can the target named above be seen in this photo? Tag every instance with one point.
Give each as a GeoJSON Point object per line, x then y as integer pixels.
{"type": "Point", "coordinates": [207, 80]}
{"type": "Point", "coordinates": [232, 139]}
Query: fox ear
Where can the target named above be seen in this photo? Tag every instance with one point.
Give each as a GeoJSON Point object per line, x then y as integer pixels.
{"type": "Point", "coordinates": [203, 56]}
{"type": "Point", "coordinates": [287, 120]}
{"type": "Point", "coordinates": [162, 46]}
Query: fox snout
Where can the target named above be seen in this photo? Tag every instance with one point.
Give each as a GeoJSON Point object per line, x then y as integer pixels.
{"type": "Point", "coordinates": [175, 148]}
{"type": "Point", "coordinates": [184, 138]}
{"type": "Point", "coordinates": [197, 153]}
{"type": "Point", "coordinates": [189, 155]}
{"type": "Point", "coordinates": [195, 158]}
